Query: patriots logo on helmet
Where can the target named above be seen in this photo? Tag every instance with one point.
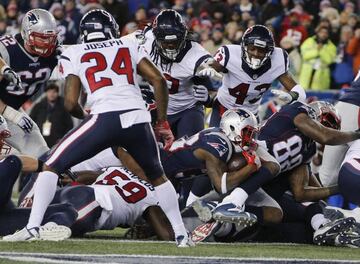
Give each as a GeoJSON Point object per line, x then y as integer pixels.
{"type": "Point", "coordinates": [32, 18]}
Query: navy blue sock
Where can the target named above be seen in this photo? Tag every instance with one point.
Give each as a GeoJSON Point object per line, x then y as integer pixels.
{"type": "Point", "coordinates": [255, 181]}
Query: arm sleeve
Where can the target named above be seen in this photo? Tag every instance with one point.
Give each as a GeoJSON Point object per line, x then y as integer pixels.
{"type": "Point", "coordinates": [4, 54]}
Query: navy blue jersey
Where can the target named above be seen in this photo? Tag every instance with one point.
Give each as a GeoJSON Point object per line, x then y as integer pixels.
{"type": "Point", "coordinates": [181, 158]}
{"type": "Point", "coordinates": [33, 70]}
{"type": "Point", "coordinates": [284, 141]}
{"type": "Point", "coordinates": [352, 95]}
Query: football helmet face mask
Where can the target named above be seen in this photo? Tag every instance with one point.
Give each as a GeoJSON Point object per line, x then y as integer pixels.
{"type": "Point", "coordinates": [257, 46]}
{"type": "Point", "coordinates": [39, 32]}
{"type": "Point", "coordinates": [326, 114]}
{"type": "Point", "coordinates": [240, 126]}
{"type": "Point", "coordinates": [170, 33]}
{"type": "Point", "coordinates": [98, 25]}
{"type": "Point", "coordinates": [4, 133]}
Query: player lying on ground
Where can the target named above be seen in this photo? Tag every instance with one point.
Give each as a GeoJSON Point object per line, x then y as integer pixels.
{"type": "Point", "coordinates": [117, 198]}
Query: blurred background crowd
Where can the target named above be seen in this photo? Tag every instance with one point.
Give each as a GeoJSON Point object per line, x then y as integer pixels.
{"type": "Point", "coordinates": [322, 37]}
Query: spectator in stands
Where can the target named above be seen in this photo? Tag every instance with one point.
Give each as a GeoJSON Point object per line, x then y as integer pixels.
{"type": "Point", "coordinates": [73, 16]}
{"type": "Point", "coordinates": [353, 48]}
{"type": "Point", "coordinates": [349, 8]}
{"type": "Point", "coordinates": [62, 25]}
{"type": "Point", "coordinates": [118, 9]}
{"type": "Point", "coordinates": [317, 52]}
{"type": "Point", "coordinates": [50, 115]}
{"type": "Point", "coordinates": [353, 20]}
{"type": "Point", "coordinates": [217, 39]}
{"type": "Point", "coordinates": [292, 27]}
{"type": "Point", "coordinates": [343, 72]}
{"type": "Point", "coordinates": [275, 10]}
{"type": "Point", "coordinates": [13, 26]}
{"type": "Point", "coordinates": [288, 44]}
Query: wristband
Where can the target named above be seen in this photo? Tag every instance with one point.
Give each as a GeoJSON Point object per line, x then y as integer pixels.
{"type": "Point", "coordinates": [40, 166]}
{"type": "Point", "coordinates": [11, 114]}
{"type": "Point", "coordinates": [223, 183]}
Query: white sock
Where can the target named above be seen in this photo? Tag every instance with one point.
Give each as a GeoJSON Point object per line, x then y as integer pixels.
{"type": "Point", "coordinates": [169, 203]}
{"type": "Point", "coordinates": [356, 214]}
{"type": "Point", "coordinates": [44, 191]}
{"type": "Point", "coordinates": [318, 220]}
{"type": "Point", "coordinates": [191, 198]}
{"type": "Point", "coordinates": [238, 197]}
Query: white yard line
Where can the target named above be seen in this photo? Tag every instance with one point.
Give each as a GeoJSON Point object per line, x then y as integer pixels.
{"type": "Point", "coordinates": [48, 258]}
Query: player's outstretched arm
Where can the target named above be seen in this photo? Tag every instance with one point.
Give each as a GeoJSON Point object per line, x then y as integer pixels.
{"type": "Point", "coordinates": [295, 90]}
{"type": "Point", "coordinates": [151, 73]}
{"type": "Point", "coordinates": [299, 184]}
{"type": "Point", "coordinates": [162, 128]}
{"type": "Point", "coordinates": [322, 134]}
{"type": "Point", "coordinates": [71, 96]}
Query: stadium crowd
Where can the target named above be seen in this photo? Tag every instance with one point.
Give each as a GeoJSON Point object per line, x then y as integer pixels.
{"type": "Point", "coordinates": [233, 179]}
{"type": "Point", "coordinates": [301, 27]}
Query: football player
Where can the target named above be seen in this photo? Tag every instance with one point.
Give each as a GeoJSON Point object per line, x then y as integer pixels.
{"type": "Point", "coordinates": [105, 204]}
{"type": "Point", "coordinates": [246, 80]}
{"type": "Point", "coordinates": [290, 136]}
{"type": "Point", "coordinates": [168, 43]}
{"type": "Point", "coordinates": [26, 62]}
{"type": "Point", "coordinates": [333, 156]}
{"type": "Point", "coordinates": [298, 127]}
{"type": "Point", "coordinates": [107, 67]}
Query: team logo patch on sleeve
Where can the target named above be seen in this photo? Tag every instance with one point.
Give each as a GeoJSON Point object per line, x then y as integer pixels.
{"type": "Point", "coordinates": [61, 68]}
{"type": "Point", "coordinates": [220, 148]}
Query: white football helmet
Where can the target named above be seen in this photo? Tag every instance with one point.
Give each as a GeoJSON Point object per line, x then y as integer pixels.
{"type": "Point", "coordinates": [39, 32]}
{"type": "Point", "coordinates": [4, 133]}
{"type": "Point", "coordinates": [240, 126]}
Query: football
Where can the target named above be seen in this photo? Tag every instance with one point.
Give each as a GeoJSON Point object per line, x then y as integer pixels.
{"type": "Point", "coordinates": [236, 162]}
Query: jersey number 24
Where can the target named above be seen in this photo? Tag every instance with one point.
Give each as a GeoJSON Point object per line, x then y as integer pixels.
{"type": "Point", "coordinates": [121, 65]}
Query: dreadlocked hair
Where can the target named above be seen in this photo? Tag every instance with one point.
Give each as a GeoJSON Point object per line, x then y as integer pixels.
{"type": "Point", "coordinates": [156, 58]}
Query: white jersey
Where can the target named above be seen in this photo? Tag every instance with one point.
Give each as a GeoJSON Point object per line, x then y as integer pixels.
{"type": "Point", "coordinates": [123, 196]}
{"type": "Point", "coordinates": [353, 154]}
{"type": "Point", "coordinates": [180, 75]}
{"type": "Point", "coordinates": [243, 87]}
{"type": "Point", "coordinates": [107, 71]}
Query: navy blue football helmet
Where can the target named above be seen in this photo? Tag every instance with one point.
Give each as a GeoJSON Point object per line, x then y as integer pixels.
{"type": "Point", "coordinates": [170, 33]}
{"type": "Point", "coordinates": [98, 25]}
{"type": "Point", "coordinates": [260, 38]}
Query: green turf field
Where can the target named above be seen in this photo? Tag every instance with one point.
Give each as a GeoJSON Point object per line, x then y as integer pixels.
{"type": "Point", "coordinates": [110, 242]}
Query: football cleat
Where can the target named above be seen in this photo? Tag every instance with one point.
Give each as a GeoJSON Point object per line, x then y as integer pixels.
{"type": "Point", "coordinates": [204, 209]}
{"type": "Point", "coordinates": [326, 234]}
{"type": "Point", "coordinates": [184, 241]}
{"type": "Point", "coordinates": [332, 213]}
{"type": "Point", "coordinates": [231, 213]}
{"type": "Point", "coordinates": [24, 234]}
{"type": "Point", "coordinates": [203, 231]}
{"type": "Point", "coordinates": [54, 232]}
{"type": "Point", "coordinates": [348, 239]}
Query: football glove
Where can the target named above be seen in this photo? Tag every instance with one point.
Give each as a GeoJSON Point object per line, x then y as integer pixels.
{"type": "Point", "coordinates": [201, 93]}
{"type": "Point", "coordinates": [210, 72]}
{"type": "Point", "coordinates": [11, 76]}
{"type": "Point", "coordinates": [19, 118]}
{"type": "Point", "coordinates": [252, 159]}
{"type": "Point", "coordinates": [163, 132]}
{"type": "Point", "coordinates": [285, 97]}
